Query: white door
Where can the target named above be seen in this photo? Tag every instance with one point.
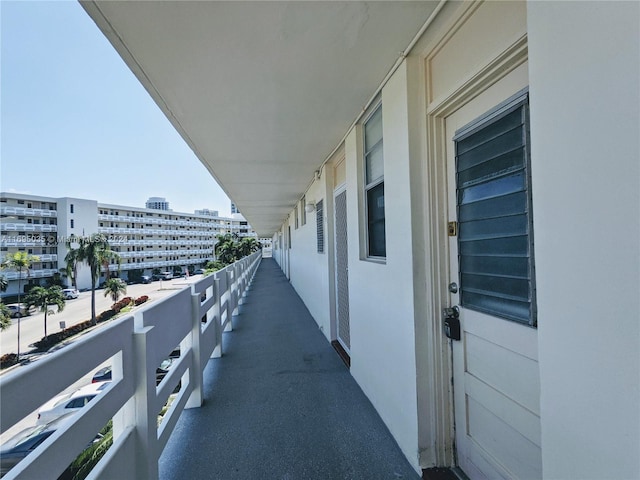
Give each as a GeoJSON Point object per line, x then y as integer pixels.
{"type": "Point", "coordinates": [342, 269]}
{"type": "Point", "coordinates": [496, 377]}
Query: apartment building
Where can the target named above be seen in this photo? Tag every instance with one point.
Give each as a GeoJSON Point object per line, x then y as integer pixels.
{"type": "Point", "coordinates": [145, 238]}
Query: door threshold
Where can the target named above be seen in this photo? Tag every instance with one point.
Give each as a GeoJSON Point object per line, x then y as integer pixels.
{"type": "Point", "coordinates": [443, 473]}
{"type": "Point", "coordinates": [342, 353]}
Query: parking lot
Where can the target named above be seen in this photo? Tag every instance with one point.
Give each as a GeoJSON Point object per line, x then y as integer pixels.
{"type": "Point", "coordinates": [78, 310]}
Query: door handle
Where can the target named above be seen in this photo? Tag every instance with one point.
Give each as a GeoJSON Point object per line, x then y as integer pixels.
{"type": "Point", "coordinates": [451, 311]}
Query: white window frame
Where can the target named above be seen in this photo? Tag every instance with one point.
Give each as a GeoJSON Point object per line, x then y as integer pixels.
{"type": "Point", "coordinates": [366, 187]}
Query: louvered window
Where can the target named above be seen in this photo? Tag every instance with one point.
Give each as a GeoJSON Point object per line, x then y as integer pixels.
{"type": "Point", "coordinates": [320, 226]}
{"type": "Point", "coordinates": [495, 235]}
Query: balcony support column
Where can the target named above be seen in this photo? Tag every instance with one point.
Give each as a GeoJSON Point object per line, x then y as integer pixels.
{"type": "Point", "coordinates": [231, 301]}
{"type": "Point", "coordinates": [146, 454]}
{"type": "Point", "coordinates": [217, 319]}
{"type": "Point", "coordinates": [192, 344]}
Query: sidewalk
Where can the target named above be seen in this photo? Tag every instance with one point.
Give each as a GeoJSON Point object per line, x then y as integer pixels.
{"type": "Point", "coordinates": [280, 404]}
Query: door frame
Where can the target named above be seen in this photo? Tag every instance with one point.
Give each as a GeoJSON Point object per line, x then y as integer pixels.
{"type": "Point", "coordinates": [338, 191]}
{"type": "Point", "coordinates": [442, 412]}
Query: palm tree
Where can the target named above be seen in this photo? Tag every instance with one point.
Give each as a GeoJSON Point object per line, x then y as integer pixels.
{"type": "Point", "coordinates": [247, 246]}
{"type": "Point", "coordinates": [19, 261]}
{"type": "Point", "coordinates": [5, 317]}
{"type": "Point", "coordinates": [226, 249]}
{"type": "Point", "coordinates": [42, 298]}
{"type": "Point", "coordinates": [114, 287]}
{"type": "Point", "coordinates": [5, 314]}
{"type": "Point", "coordinates": [72, 262]}
{"type": "Point", "coordinates": [96, 253]}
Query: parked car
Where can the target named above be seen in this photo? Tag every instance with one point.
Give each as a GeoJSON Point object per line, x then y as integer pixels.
{"type": "Point", "coordinates": [70, 293]}
{"type": "Point", "coordinates": [69, 402]}
{"type": "Point", "coordinates": [23, 443]}
{"type": "Point", "coordinates": [146, 279]}
{"type": "Point", "coordinates": [166, 276]}
{"type": "Point", "coordinates": [18, 311]}
{"type": "Point", "coordinates": [104, 374]}
{"type": "Point", "coordinates": [199, 271]}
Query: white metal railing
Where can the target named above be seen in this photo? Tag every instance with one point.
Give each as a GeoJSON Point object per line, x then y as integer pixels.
{"type": "Point", "coordinates": [161, 241]}
{"type": "Point", "coordinates": [155, 231]}
{"type": "Point", "coordinates": [164, 253]}
{"type": "Point", "coordinates": [28, 227]}
{"type": "Point", "coordinates": [158, 221]}
{"type": "Point", "coordinates": [17, 243]}
{"type": "Point", "coordinates": [22, 211]}
{"type": "Point", "coordinates": [193, 318]}
{"type": "Point", "coordinates": [157, 264]}
{"type": "Point", "coordinates": [40, 273]}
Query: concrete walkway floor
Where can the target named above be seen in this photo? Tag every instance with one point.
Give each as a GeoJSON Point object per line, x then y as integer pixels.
{"type": "Point", "coordinates": [280, 404]}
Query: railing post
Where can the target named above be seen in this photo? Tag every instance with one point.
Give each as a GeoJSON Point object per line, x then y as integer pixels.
{"type": "Point", "coordinates": [243, 281]}
{"type": "Point", "coordinates": [231, 305]}
{"type": "Point", "coordinates": [217, 319]}
{"type": "Point", "coordinates": [193, 342]}
{"type": "Point", "coordinates": [146, 421]}
{"type": "Point", "coordinates": [236, 290]}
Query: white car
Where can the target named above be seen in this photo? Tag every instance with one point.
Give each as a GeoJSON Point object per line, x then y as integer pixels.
{"type": "Point", "coordinates": [69, 402]}
{"type": "Point", "coordinates": [70, 293]}
{"type": "Point", "coordinates": [18, 311]}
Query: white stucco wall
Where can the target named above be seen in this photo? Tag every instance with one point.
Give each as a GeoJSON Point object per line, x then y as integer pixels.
{"type": "Point", "coordinates": [585, 101]}
{"type": "Point", "coordinates": [381, 295]}
{"type": "Point", "coordinates": [85, 223]}
{"type": "Point", "coordinates": [310, 269]}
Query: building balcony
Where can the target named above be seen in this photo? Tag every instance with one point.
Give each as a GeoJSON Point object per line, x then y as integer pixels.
{"type": "Point", "coordinates": [157, 221]}
{"type": "Point", "coordinates": [159, 263]}
{"type": "Point", "coordinates": [10, 241]}
{"type": "Point", "coordinates": [28, 212]}
{"type": "Point", "coordinates": [163, 253]}
{"type": "Point", "coordinates": [47, 257]}
{"type": "Point", "coordinates": [155, 231]}
{"type": "Point", "coordinates": [27, 227]}
{"type": "Point", "coordinates": [267, 405]}
{"type": "Point", "coordinates": [33, 273]}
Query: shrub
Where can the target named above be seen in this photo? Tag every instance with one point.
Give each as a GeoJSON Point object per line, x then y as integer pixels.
{"type": "Point", "coordinates": [141, 300]}
{"type": "Point", "coordinates": [106, 315]}
{"type": "Point", "coordinates": [8, 359]}
{"type": "Point", "coordinates": [119, 305]}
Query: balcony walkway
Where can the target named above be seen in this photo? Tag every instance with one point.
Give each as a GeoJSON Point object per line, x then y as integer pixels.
{"type": "Point", "coordinates": [280, 404]}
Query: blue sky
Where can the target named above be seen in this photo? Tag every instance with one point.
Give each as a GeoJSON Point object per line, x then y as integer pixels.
{"type": "Point", "coordinates": [76, 122]}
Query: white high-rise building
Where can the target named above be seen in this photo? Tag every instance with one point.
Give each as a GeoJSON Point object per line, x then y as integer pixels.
{"type": "Point", "coordinates": [158, 203]}
{"type": "Point", "coordinates": [145, 238]}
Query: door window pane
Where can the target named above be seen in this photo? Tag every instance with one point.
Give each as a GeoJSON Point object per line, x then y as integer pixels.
{"type": "Point", "coordinates": [495, 234]}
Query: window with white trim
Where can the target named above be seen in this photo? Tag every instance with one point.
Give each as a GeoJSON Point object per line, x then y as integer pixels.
{"type": "Point", "coordinates": [303, 211]}
{"type": "Point", "coordinates": [374, 186]}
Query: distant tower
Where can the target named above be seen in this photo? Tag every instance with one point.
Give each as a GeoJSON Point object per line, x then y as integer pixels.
{"type": "Point", "coordinates": [157, 203]}
{"type": "Point", "coordinates": [234, 209]}
{"type": "Point", "coordinates": [207, 212]}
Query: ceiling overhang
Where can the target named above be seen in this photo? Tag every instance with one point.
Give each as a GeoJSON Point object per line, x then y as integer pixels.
{"type": "Point", "coordinates": [262, 92]}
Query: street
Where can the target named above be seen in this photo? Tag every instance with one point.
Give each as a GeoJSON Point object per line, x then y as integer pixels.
{"type": "Point", "coordinates": [78, 310]}
{"type": "Point", "coordinates": [75, 311]}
